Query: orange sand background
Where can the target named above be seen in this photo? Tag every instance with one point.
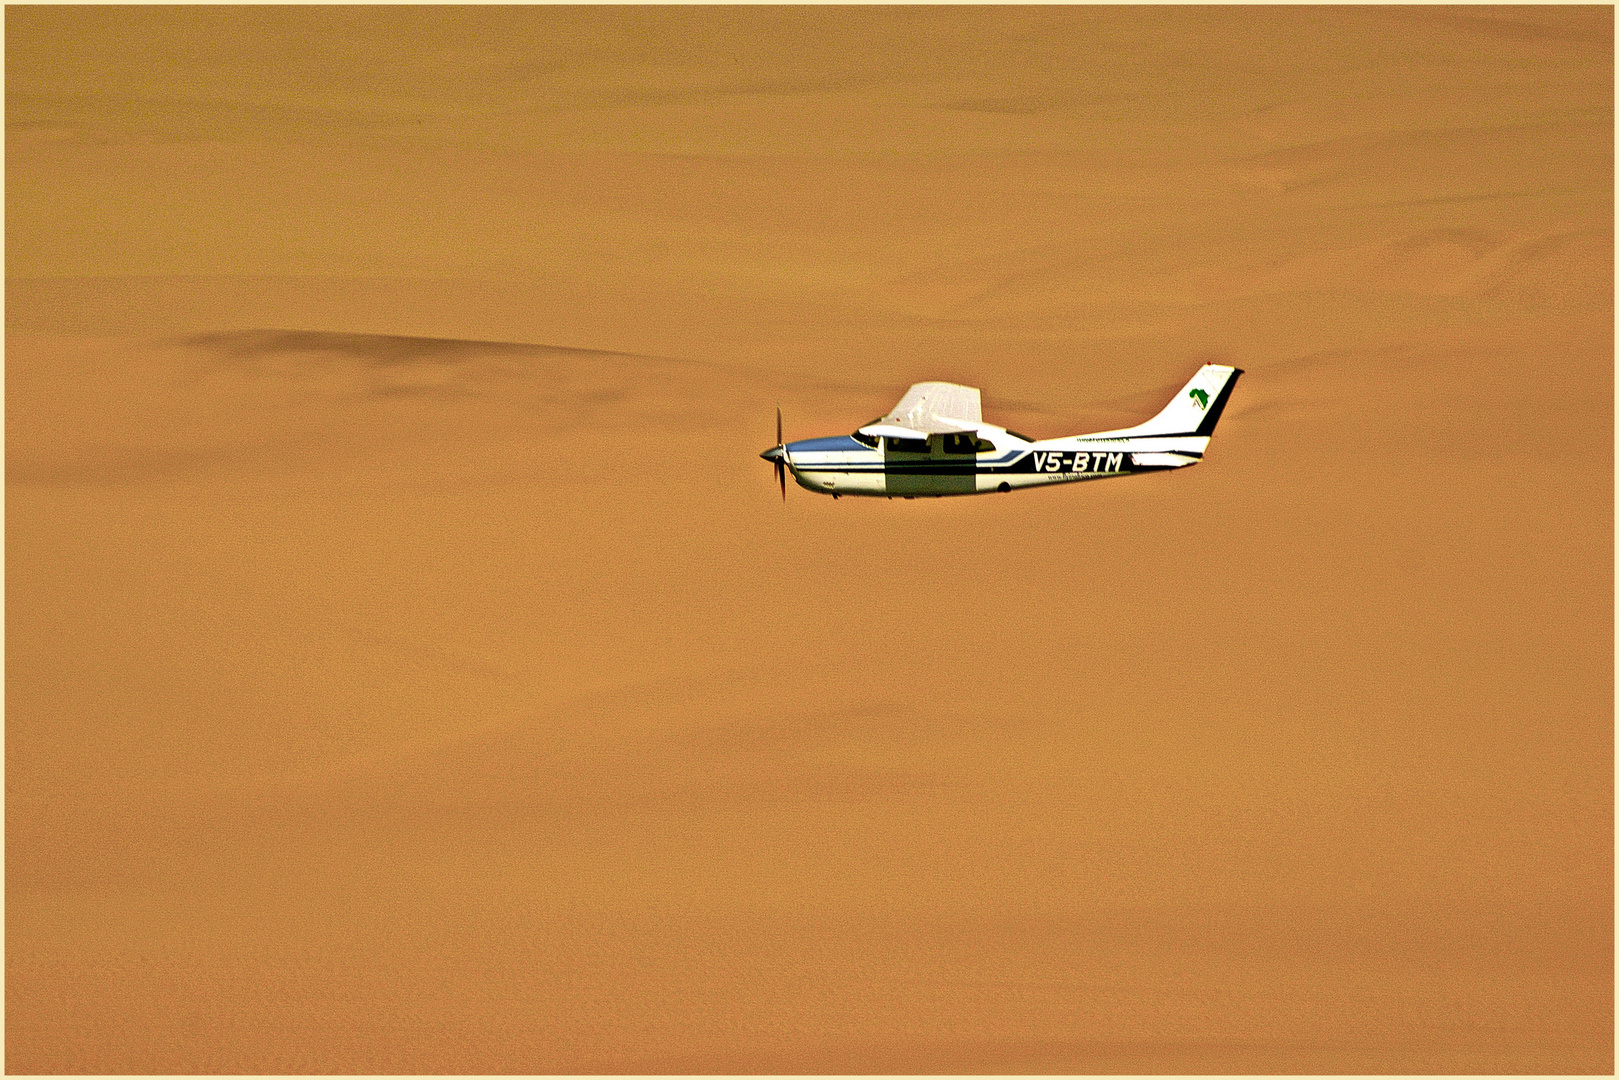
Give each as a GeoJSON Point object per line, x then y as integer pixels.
{"type": "Point", "coordinates": [473, 704]}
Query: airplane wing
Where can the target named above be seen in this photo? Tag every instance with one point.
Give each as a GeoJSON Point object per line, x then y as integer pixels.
{"type": "Point", "coordinates": [931, 408]}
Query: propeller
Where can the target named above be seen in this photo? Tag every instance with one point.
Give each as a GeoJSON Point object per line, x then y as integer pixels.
{"type": "Point", "coordinates": [780, 457]}
{"type": "Point", "coordinates": [781, 471]}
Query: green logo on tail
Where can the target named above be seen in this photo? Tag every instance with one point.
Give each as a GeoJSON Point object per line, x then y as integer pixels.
{"type": "Point", "coordinates": [1201, 397]}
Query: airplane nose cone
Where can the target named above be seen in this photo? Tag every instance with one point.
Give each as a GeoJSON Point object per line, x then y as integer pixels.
{"type": "Point", "coordinates": [772, 454]}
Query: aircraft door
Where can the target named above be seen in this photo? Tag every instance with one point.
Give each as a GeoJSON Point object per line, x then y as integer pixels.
{"type": "Point", "coordinates": [941, 465]}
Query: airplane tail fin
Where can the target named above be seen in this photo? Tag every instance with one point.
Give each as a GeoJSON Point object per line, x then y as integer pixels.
{"type": "Point", "coordinates": [1197, 408]}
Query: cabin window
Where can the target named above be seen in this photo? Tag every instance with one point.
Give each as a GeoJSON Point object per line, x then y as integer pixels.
{"type": "Point", "coordinates": [907, 446]}
{"type": "Point", "coordinates": [967, 443]}
{"type": "Point", "coordinates": [865, 440]}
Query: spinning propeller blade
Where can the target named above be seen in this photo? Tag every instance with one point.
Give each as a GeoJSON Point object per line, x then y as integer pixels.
{"type": "Point", "coordinates": [781, 471]}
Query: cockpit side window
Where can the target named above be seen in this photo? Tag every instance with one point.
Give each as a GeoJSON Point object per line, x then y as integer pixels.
{"type": "Point", "coordinates": [865, 440]}
{"type": "Point", "coordinates": [907, 446]}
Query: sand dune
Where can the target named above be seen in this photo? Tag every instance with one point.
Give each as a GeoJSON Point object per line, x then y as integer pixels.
{"type": "Point", "coordinates": [412, 668]}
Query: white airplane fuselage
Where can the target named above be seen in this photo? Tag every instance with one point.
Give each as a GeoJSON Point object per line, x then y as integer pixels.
{"type": "Point", "coordinates": [843, 466]}
{"type": "Point", "coordinates": [976, 458]}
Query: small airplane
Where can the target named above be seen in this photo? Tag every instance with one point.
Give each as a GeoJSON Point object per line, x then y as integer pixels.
{"type": "Point", "coordinates": [935, 443]}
